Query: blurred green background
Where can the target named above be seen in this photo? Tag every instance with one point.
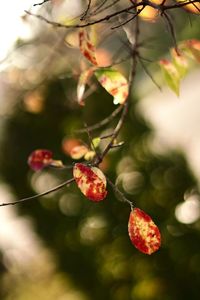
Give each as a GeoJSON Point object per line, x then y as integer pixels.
{"type": "Point", "coordinates": [63, 246]}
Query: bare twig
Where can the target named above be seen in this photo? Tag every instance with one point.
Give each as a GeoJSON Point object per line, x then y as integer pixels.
{"type": "Point", "coordinates": [119, 194]}
{"type": "Point", "coordinates": [171, 29]}
{"type": "Point", "coordinates": [103, 122]}
{"type": "Point", "coordinates": [86, 11]}
{"type": "Point", "coordinates": [58, 187]}
{"type": "Point", "coordinates": [101, 20]}
{"type": "Point", "coordinates": [40, 3]}
{"type": "Point", "coordinates": [148, 73]}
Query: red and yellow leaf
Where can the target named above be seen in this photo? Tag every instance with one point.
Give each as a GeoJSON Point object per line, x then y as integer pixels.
{"type": "Point", "coordinates": [91, 181]}
{"type": "Point", "coordinates": [171, 75]}
{"type": "Point", "coordinates": [114, 83]}
{"type": "Point", "coordinates": [193, 46]}
{"type": "Point", "coordinates": [86, 46]}
{"type": "Point", "coordinates": [143, 232]}
{"type": "Point", "coordinates": [180, 62]}
{"type": "Point", "coordinates": [78, 151]}
{"type": "Point", "coordinates": [40, 159]}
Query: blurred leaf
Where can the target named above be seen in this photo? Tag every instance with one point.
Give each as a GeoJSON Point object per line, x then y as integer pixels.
{"type": "Point", "coordinates": [95, 142]}
{"type": "Point", "coordinates": [191, 7]}
{"type": "Point", "coordinates": [180, 62]}
{"type": "Point", "coordinates": [89, 155]}
{"type": "Point", "coordinates": [40, 159]}
{"type": "Point", "coordinates": [78, 151]}
{"type": "Point", "coordinates": [171, 75]}
{"type": "Point", "coordinates": [194, 48]}
{"type": "Point", "coordinates": [83, 79]}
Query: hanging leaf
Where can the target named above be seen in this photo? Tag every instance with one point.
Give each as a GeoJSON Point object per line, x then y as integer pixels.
{"type": "Point", "coordinates": [83, 79]}
{"type": "Point", "coordinates": [114, 83]}
{"type": "Point", "coordinates": [95, 142]}
{"type": "Point", "coordinates": [194, 47]}
{"type": "Point", "coordinates": [180, 62]}
{"type": "Point", "coordinates": [143, 232]}
{"type": "Point", "coordinates": [40, 159]}
{"type": "Point", "coordinates": [86, 46]}
{"type": "Point", "coordinates": [91, 182]}
{"type": "Point", "coordinates": [89, 155]}
{"type": "Point", "coordinates": [171, 75]}
{"type": "Point", "coordinates": [69, 143]}
{"type": "Point", "coordinates": [78, 151]}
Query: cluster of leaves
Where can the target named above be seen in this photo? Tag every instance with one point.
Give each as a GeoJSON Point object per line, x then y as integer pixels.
{"type": "Point", "coordinates": [91, 181]}
{"type": "Point", "coordinates": [175, 69]}
{"type": "Point", "coordinates": [143, 232]}
{"type": "Point", "coordinates": [111, 80]}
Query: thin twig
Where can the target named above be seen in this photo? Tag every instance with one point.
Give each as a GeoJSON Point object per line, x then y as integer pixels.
{"type": "Point", "coordinates": [102, 122]}
{"type": "Point", "coordinates": [171, 29]}
{"type": "Point", "coordinates": [148, 73]}
{"type": "Point", "coordinates": [120, 194]}
{"type": "Point", "coordinates": [58, 187]}
{"type": "Point", "coordinates": [86, 11]}
{"type": "Point", "coordinates": [105, 18]}
{"type": "Point", "coordinates": [44, 1]}
{"type": "Point", "coordinates": [126, 105]}
{"type": "Point", "coordinates": [130, 19]}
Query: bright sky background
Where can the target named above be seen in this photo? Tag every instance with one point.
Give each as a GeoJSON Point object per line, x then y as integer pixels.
{"type": "Point", "coordinates": [11, 23]}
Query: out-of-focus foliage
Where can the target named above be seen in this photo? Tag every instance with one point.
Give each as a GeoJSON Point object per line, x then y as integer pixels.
{"type": "Point", "coordinates": [93, 257]}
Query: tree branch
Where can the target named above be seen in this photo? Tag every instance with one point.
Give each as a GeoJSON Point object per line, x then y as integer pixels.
{"type": "Point", "coordinates": [58, 187]}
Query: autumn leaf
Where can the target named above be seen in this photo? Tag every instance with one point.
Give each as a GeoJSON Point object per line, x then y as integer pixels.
{"type": "Point", "coordinates": [40, 159]}
{"type": "Point", "coordinates": [179, 61]}
{"type": "Point", "coordinates": [114, 83]}
{"type": "Point", "coordinates": [193, 46]}
{"type": "Point", "coordinates": [143, 232]}
{"type": "Point", "coordinates": [86, 46]}
{"type": "Point", "coordinates": [91, 182]}
{"type": "Point", "coordinates": [191, 7]}
{"type": "Point", "coordinates": [78, 151]}
{"type": "Point", "coordinates": [171, 75]}
{"type": "Point", "coordinates": [83, 79]}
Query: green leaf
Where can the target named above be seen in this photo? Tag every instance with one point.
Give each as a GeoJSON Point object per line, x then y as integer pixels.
{"type": "Point", "coordinates": [114, 83]}
{"type": "Point", "coordinates": [171, 75]}
{"type": "Point", "coordinates": [180, 62]}
{"type": "Point", "coordinates": [96, 141]}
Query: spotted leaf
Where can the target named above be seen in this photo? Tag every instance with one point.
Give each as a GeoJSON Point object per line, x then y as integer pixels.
{"type": "Point", "coordinates": [91, 182]}
{"type": "Point", "coordinates": [40, 159]}
{"type": "Point", "coordinates": [114, 83]}
{"type": "Point", "coordinates": [143, 232]}
{"type": "Point", "coordinates": [86, 46]}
